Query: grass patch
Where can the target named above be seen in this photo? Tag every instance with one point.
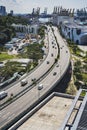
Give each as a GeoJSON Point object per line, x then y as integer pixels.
{"type": "Point", "coordinates": [83, 93]}
{"type": "Point", "coordinates": [84, 76]}
{"type": "Point", "coordinates": [5, 56]}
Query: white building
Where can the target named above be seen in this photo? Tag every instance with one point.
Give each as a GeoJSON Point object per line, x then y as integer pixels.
{"type": "Point", "coordinates": [30, 29]}
{"type": "Point", "coordinates": [75, 32]}
{"type": "Point", "coordinates": [23, 61]}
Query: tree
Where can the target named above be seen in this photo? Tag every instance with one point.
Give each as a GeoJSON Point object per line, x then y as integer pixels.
{"type": "Point", "coordinates": [78, 63]}
{"type": "Point", "coordinates": [41, 31]}
{"type": "Point", "coordinates": [28, 67]}
{"type": "Point", "coordinates": [9, 69]}
{"type": "Point", "coordinates": [79, 76]}
{"type": "Point", "coordinates": [34, 81]}
{"type": "Point", "coordinates": [35, 52]}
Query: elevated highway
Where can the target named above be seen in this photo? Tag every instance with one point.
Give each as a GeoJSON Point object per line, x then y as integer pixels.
{"type": "Point", "coordinates": [16, 108]}
{"type": "Point", "coordinates": [40, 70]}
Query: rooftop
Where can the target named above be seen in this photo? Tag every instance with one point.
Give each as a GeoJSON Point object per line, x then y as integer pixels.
{"type": "Point", "coordinates": [57, 112]}
{"type": "Point", "coordinates": [50, 116]}
{"type": "Point", "coordinates": [22, 60]}
{"type": "Point", "coordinates": [73, 24]}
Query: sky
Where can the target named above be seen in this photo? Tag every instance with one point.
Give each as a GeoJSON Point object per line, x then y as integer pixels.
{"type": "Point", "coordinates": [26, 6]}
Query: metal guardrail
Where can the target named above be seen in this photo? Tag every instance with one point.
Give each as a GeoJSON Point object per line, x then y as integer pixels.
{"type": "Point", "coordinates": [79, 115]}
{"type": "Point", "coordinates": [70, 111]}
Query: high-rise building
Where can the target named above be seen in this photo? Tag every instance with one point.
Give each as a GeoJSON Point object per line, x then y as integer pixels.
{"type": "Point", "coordinates": [11, 12]}
{"type": "Point", "coordinates": [45, 11]}
{"type": "Point", "coordinates": [2, 10]}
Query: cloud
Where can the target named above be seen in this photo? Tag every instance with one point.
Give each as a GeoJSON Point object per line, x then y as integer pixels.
{"type": "Point", "coordinates": [11, 5]}
{"type": "Point", "coordinates": [14, 0]}
{"type": "Point", "coordinates": [25, 6]}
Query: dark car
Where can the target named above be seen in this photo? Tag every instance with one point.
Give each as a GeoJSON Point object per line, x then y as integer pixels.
{"type": "Point", "coordinates": [54, 73]}
{"type": "Point", "coordinates": [52, 54]}
{"type": "Point", "coordinates": [47, 62]}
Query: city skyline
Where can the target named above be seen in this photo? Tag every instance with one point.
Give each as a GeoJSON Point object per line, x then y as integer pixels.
{"type": "Point", "coordinates": [21, 6]}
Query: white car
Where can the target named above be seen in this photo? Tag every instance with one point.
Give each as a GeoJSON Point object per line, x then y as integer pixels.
{"type": "Point", "coordinates": [40, 86]}
{"type": "Point", "coordinates": [3, 94]}
{"type": "Point", "coordinates": [24, 82]}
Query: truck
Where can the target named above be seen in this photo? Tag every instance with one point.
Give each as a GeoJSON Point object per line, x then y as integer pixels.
{"type": "Point", "coordinates": [24, 82]}
{"type": "Point", "coordinates": [3, 94]}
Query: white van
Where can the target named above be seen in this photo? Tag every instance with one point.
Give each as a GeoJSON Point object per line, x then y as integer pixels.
{"type": "Point", "coordinates": [24, 82]}
{"type": "Point", "coordinates": [3, 94]}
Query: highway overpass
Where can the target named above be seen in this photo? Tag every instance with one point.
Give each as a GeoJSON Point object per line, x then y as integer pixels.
{"type": "Point", "coordinates": [10, 112]}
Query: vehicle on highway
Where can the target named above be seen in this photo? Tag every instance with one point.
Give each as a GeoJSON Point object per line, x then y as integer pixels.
{"type": "Point", "coordinates": [57, 66]}
{"type": "Point", "coordinates": [3, 94]}
{"type": "Point", "coordinates": [47, 62]}
{"type": "Point", "coordinates": [24, 82]}
{"type": "Point", "coordinates": [54, 73]}
{"type": "Point", "coordinates": [52, 54]}
{"type": "Point", "coordinates": [40, 86]}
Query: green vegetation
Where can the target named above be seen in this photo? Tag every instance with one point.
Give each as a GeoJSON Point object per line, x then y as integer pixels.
{"type": "Point", "coordinates": [80, 73]}
{"type": "Point", "coordinates": [85, 57]}
{"type": "Point", "coordinates": [3, 38]}
{"type": "Point", "coordinates": [34, 51]}
{"type": "Point", "coordinates": [9, 69]}
{"type": "Point", "coordinates": [2, 49]}
{"type": "Point", "coordinates": [6, 21]}
{"type": "Point", "coordinates": [34, 81]}
{"type": "Point", "coordinates": [83, 93]}
{"type": "Point", "coordinates": [6, 30]}
{"type": "Point", "coordinates": [85, 60]}
{"type": "Point", "coordinates": [74, 49]}
{"type": "Point", "coordinates": [6, 34]}
{"type": "Point", "coordinates": [41, 31]}
{"type": "Point", "coordinates": [84, 77]}
{"type": "Point", "coordinates": [5, 56]}
{"type": "Point", "coordinates": [80, 67]}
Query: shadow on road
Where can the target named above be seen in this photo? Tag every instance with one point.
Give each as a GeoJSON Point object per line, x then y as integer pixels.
{"type": "Point", "coordinates": [62, 86]}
